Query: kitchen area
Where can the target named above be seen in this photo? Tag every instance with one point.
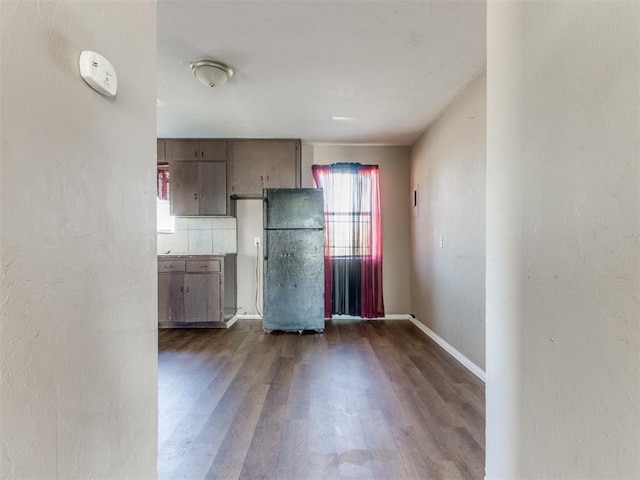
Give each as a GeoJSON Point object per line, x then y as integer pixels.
{"type": "Point", "coordinates": [209, 191]}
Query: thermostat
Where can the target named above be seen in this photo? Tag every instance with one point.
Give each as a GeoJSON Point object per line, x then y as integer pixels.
{"type": "Point", "coordinates": [98, 72]}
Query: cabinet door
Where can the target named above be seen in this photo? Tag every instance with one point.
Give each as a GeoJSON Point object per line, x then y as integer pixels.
{"type": "Point", "coordinates": [213, 150]}
{"type": "Point", "coordinates": [280, 164]}
{"type": "Point", "coordinates": [202, 297]}
{"type": "Point", "coordinates": [170, 297]}
{"type": "Point", "coordinates": [212, 183]}
{"type": "Point", "coordinates": [181, 150]}
{"type": "Point", "coordinates": [247, 157]}
{"type": "Point", "coordinates": [184, 188]}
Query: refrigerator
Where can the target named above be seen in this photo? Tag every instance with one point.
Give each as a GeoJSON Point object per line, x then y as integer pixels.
{"type": "Point", "coordinates": [293, 268]}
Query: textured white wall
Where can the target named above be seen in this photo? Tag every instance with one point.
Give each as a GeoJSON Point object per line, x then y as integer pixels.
{"type": "Point", "coordinates": [249, 213]}
{"type": "Point", "coordinates": [448, 164]}
{"type": "Point", "coordinates": [393, 163]}
{"type": "Point", "coordinates": [78, 340]}
{"type": "Point", "coordinates": [563, 263]}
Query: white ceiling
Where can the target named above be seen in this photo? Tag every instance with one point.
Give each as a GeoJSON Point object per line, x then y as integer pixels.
{"type": "Point", "coordinates": [389, 67]}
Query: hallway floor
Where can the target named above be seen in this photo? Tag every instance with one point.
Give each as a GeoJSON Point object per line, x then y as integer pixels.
{"type": "Point", "coordinates": [366, 399]}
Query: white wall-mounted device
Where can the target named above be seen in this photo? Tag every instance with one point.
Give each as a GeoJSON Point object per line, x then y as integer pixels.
{"type": "Point", "coordinates": [98, 72]}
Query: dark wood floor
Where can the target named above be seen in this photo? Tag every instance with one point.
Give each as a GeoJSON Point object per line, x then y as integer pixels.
{"type": "Point", "coordinates": [366, 399]}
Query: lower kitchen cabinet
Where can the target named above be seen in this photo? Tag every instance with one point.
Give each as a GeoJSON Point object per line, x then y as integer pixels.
{"type": "Point", "coordinates": [171, 297]}
{"type": "Point", "coordinates": [203, 299]}
{"type": "Point", "coordinates": [192, 293]}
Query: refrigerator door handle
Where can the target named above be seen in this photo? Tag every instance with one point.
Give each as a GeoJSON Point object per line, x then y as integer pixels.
{"type": "Point", "coordinates": [265, 245]}
{"type": "Point", "coordinates": [265, 201]}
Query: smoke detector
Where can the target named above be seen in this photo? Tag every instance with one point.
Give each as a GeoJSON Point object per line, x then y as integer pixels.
{"type": "Point", "coordinates": [210, 72]}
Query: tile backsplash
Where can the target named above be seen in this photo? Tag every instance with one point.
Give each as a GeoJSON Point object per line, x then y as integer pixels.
{"type": "Point", "coordinates": [200, 235]}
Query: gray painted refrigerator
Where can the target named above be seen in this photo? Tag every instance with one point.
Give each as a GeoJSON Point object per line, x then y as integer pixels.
{"type": "Point", "coordinates": [293, 259]}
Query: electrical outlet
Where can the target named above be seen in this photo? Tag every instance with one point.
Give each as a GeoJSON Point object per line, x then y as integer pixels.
{"type": "Point", "coordinates": [256, 241]}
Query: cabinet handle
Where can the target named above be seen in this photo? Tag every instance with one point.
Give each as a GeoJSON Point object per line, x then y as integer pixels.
{"type": "Point", "coordinates": [267, 178]}
{"type": "Point", "coordinates": [187, 289]}
{"type": "Point", "coordinates": [261, 178]}
{"type": "Point", "coordinates": [202, 154]}
{"type": "Point", "coordinates": [195, 196]}
{"type": "Point", "coordinates": [195, 153]}
{"type": "Point", "coordinates": [203, 266]}
{"type": "Point", "coordinates": [181, 289]}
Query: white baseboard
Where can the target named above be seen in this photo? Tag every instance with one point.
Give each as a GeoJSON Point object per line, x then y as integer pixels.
{"type": "Point", "coordinates": [395, 316]}
{"type": "Point", "coordinates": [232, 320]}
{"type": "Point", "coordinates": [468, 364]}
{"type": "Point", "coordinates": [248, 316]}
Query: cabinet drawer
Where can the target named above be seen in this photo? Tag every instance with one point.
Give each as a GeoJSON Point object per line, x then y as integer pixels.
{"type": "Point", "coordinates": [171, 266]}
{"type": "Point", "coordinates": [198, 266]}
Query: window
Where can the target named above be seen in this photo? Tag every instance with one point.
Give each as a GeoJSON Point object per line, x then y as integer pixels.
{"type": "Point", "coordinates": [353, 239]}
{"type": "Point", "coordinates": [165, 221]}
{"type": "Point", "coordinates": [344, 217]}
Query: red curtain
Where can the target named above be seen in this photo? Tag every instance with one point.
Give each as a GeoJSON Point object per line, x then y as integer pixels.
{"type": "Point", "coordinates": [322, 179]}
{"type": "Point", "coordinates": [371, 269]}
{"type": "Point", "coordinates": [353, 238]}
{"type": "Point", "coordinates": [163, 183]}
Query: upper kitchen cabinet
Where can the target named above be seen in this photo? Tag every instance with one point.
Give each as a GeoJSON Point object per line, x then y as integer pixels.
{"type": "Point", "coordinates": [196, 150]}
{"type": "Point", "coordinates": [198, 172]}
{"type": "Point", "coordinates": [198, 188]}
{"type": "Point", "coordinates": [258, 164]}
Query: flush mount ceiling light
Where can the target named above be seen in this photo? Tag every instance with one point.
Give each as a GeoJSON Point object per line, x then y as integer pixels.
{"type": "Point", "coordinates": [210, 72]}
